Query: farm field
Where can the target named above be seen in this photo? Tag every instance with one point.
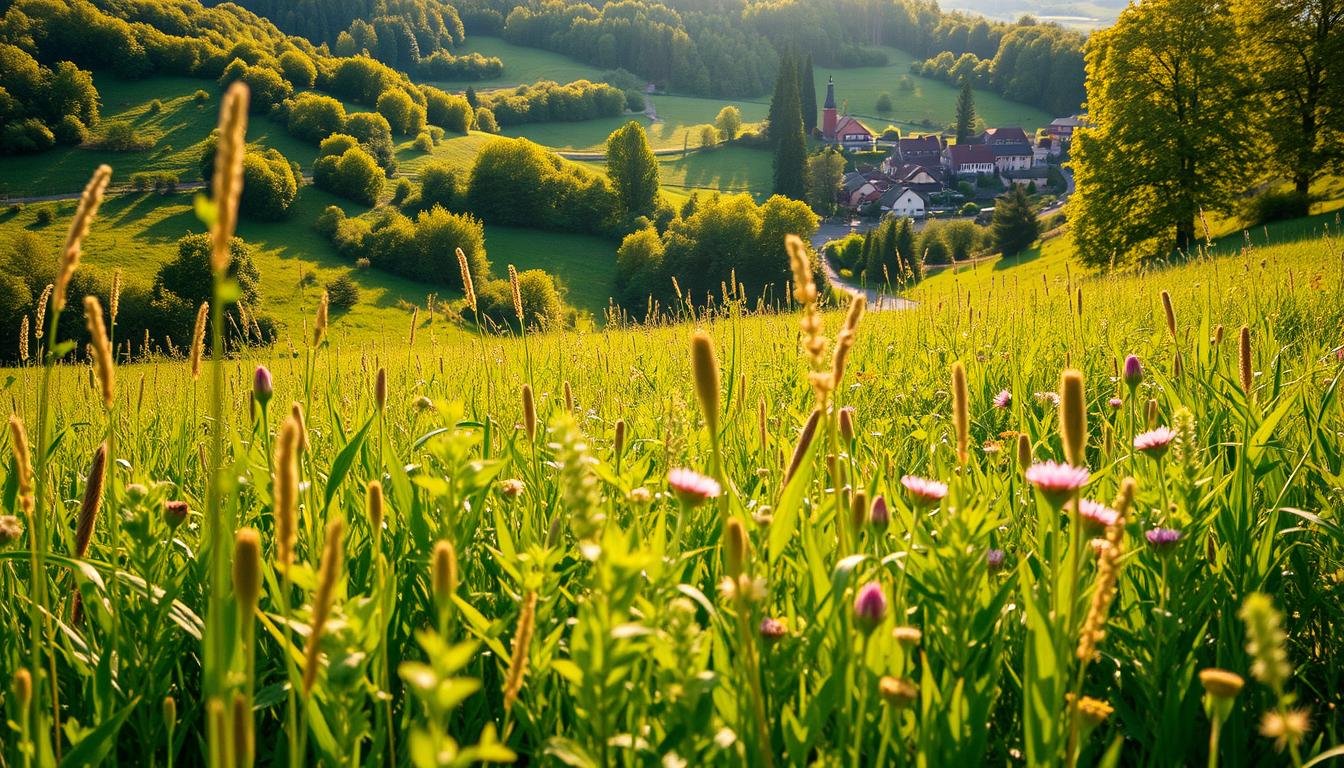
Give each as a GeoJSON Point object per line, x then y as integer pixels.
{"type": "Point", "coordinates": [929, 100]}
{"type": "Point", "coordinates": [522, 65]}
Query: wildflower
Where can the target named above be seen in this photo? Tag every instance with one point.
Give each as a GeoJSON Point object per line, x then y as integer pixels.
{"type": "Point", "coordinates": [743, 587]}
{"type": "Point", "coordinates": [262, 386]}
{"type": "Point", "coordinates": [1220, 683]}
{"type": "Point", "coordinates": [422, 404]}
{"type": "Point", "coordinates": [897, 691]}
{"type": "Point", "coordinates": [1108, 576]}
{"type": "Point", "coordinates": [1115, 402]}
{"type": "Point", "coordinates": [773, 630]}
{"type": "Point", "coordinates": [1286, 728]}
{"type": "Point", "coordinates": [991, 447]}
{"type": "Point", "coordinates": [691, 487]}
{"type": "Point", "coordinates": [1097, 516]}
{"type": "Point", "coordinates": [175, 512]}
{"type": "Point", "coordinates": [994, 559]}
{"type": "Point", "coordinates": [640, 495]}
{"type": "Point", "coordinates": [1003, 399]}
{"type": "Point", "coordinates": [1093, 711]}
{"type": "Point", "coordinates": [1073, 417]}
{"type": "Point", "coordinates": [1155, 442]}
{"type": "Point", "coordinates": [1048, 398]}
{"type": "Point", "coordinates": [1057, 482]}
{"type": "Point", "coordinates": [925, 492]}
{"type": "Point", "coordinates": [870, 607]}
{"type": "Point", "coordinates": [10, 530]}
{"type": "Point", "coordinates": [1133, 375]}
{"type": "Point", "coordinates": [878, 515]}
{"type": "Point", "coordinates": [1162, 539]}
{"type": "Point", "coordinates": [907, 636]}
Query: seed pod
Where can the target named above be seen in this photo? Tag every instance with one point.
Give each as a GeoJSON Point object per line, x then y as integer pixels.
{"type": "Point", "coordinates": [1151, 413]}
{"type": "Point", "coordinates": [1170, 313]}
{"type": "Point", "coordinates": [380, 390]}
{"type": "Point", "coordinates": [1023, 451]}
{"type": "Point", "coordinates": [23, 688]}
{"type": "Point", "coordinates": [858, 508]}
{"type": "Point", "coordinates": [619, 443]}
{"type": "Point", "coordinates": [1073, 417]}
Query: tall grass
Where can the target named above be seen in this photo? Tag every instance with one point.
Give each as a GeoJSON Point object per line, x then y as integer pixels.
{"type": "Point", "coordinates": [866, 554]}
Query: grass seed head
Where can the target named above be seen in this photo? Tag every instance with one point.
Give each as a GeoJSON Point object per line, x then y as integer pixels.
{"type": "Point", "coordinates": [804, 443]}
{"type": "Point", "coordinates": [227, 181]}
{"type": "Point", "coordinates": [443, 573]}
{"type": "Point", "coordinates": [320, 320]}
{"type": "Point", "coordinates": [516, 293]}
{"type": "Point", "coordinates": [24, 333]}
{"type": "Point", "coordinates": [1073, 417]}
{"type": "Point", "coordinates": [1244, 359]}
{"type": "Point", "coordinates": [329, 572]}
{"type": "Point", "coordinates": [374, 504]}
{"type": "Point", "coordinates": [23, 688]}
{"type": "Point", "coordinates": [247, 571]}
{"type": "Point", "coordinates": [467, 287]}
{"type": "Point", "coordinates": [529, 413]}
{"type": "Point", "coordinates": [286, 483]}
{"type": "Point", "coordinates": [243, 741]}
{"type": "Point", "coordinates": [380, 390]}
{"type": "Point", "coordinates": [1170, 313]}
{"type": "Point", "coordinates": [23, 463]}
{"type": "Point", "coordinates": [619, 441]}
{"type": "Point", "coordinates": [705, 366]}
{"type": "Point", "coordinates": [198, 339]}
{"type": "Point", "coordinates": [102, 350]}
{"type": "Point", "coordinates": [735, 546]}
{"type": "Point", "coordinates": [961, 411]}
{"type": "Point", "coordinates": [93, 501]}
{"type": "Point", "coordinates": [79, 229]}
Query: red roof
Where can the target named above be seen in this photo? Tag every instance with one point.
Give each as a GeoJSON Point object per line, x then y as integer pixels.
{"type": "Point", "coordinates": [848, 126]}
{"type": "Point", "coordinates": [970, 154]}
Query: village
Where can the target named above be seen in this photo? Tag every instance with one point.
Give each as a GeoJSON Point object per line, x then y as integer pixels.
{"type": "Point", "coordinates": [933, 175]}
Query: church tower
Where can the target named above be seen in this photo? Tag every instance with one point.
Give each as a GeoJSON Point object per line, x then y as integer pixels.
{"type": "Point", "coordinates": [828, 117]}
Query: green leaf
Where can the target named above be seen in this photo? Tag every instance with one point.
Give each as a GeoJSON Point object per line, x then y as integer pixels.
{"type": "Point", "coordinates": [94, 746]}
{"type": "Point", "coordinates": [341, 466]}
{"type": "Point", "coordinates": [786, 513]}
{"type": "Point", "coordinates": [205, 209]}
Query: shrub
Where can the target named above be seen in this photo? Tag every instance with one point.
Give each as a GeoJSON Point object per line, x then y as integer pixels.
{"type": "Point", "coordinates": [188, 276]}
{"type": "Point", "coordinates": [542, 304]}
{"type": "Point", "coordinates": [423, 143]}
{"type": "Point", "coordinates": [634, 101]}
{"type": "Point", "coordinates": [154, 108]}
{"type": "Point", "coordinates": [639, 268]}
{"type": "Point", "coordinates": [270, 184]}
{"type": "Point", "coordinates": [122, 136]}
{"type": "Point", "coordinates": [374, 134]}
{"type": "Point", "coordinates": [485, 120]}
{"type": "Point", "coordinates": [439, 186]}
{"type": "Point", "coordinates": [516, 182]}
{"type": "Point", "coordinates": [201, 96]}
{"type": "Point", "coordinates": [327, 221]}
{"type": "Point", "coordinates": [342, 292]}
{"type": "Point", "coordinates": [354, 175]}
{"type": "Point", "coordinates": [452, 112]}
{"type": "Point", "coordinates": [298, 69]}
{"type": "Point", "coordinates": [969, 209]}
{"type": "Point", "coordinates": [70, 130]}
{"type": "Point", "coordinates": [314, 117]}
{"type": "Point", "coordinates": [45, 216]}
{"type": "Point", "coordinates": [932, 247]}
{"type": "Point", "coordinates": [1275, 205]}
{"type": "Point", "coordinates": [884, 103]}
{"type": "Point", "coordinates": [26, 136]}
{"type": "Point", "coordinates": [401, 190]}
{"type": "Point", "coordinates": [403, 115]}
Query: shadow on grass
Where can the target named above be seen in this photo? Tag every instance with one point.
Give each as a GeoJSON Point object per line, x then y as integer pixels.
{"type": "Point", "coordinates": [1009, 262]}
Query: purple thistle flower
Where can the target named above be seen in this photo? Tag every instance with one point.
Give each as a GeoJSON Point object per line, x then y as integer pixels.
{"type": "Point", "coordinates": [1057, 482]}
{"type": "Point", "coordinates": [870, 607]}
{"type": "Point", "coordinates": [1115, 402]}
{"type": "Point", "coordinates": [1097, 516]}
{"type": "Point", "coordinates": [923, 491]}
{"type": "Point", "coordinates": [1133, 372]}
{"type": "Point", "coordinates": [1049, 398]}
{"type": "Point", "coordinates": [773, 630]}
{"type": "Point", "coordinates": [262, 386]}
{"type": "Point", "coordinates": [994, 559]}
{"type": "Point", "coordinates": [879, 516]}
{"type": "Point", "coordinates": [1162, 539]}
{"type": "Point", "coordinates": [692, 487]}
{"type": "Point", "coordinates": [1003, 399]}
{"type": "Point", "coordinates": [1156, 442]}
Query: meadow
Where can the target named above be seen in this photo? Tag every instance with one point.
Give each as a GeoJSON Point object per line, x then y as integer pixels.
{"type": "Point", "coordinates": [1087, 521]}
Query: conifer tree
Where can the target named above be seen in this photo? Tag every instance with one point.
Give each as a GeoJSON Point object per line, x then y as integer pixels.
{"type": "Point", "coordinates": [965, 111]}
{"type": "Point", "coordinates": [786, 130]}
{"type": "Point", "coordinates": [1015, 226]}
{"type": "Point", "coordinates": [807, 91]}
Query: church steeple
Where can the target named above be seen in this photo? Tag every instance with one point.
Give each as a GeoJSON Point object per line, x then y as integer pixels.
{"type": "Point", "coordinates": [828, 116]}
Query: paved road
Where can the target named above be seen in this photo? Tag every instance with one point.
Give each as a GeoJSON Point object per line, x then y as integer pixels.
{"type": "Point", "coordinates": [831, 229]}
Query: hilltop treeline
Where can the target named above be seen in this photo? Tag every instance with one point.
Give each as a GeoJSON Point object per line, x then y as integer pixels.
{"type": "Point", "coordinates": [731, 48]}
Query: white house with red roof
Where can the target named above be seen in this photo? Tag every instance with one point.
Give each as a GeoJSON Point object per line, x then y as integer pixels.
{"type": "Point", "coordinates": [971, 160]}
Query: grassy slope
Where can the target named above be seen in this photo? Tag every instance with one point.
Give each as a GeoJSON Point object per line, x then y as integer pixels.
{"type": "Point", "coordinates": [930, 100]}
{"type": "Point", "coordinates": [181, 126]}
{"type": "Point", "coordinates": [521, 65]}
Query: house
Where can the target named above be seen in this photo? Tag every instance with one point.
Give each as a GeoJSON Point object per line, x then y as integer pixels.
{"type": "Point", "coordinates": [856, 190]}
{"type": "Point", "coordinates": [1017, 156]}
{"type": "Point", "coordinates": [1043, 151]}
{"type": "Point", "coordinates": [996, 136]}
{"type": "Point", "coordinates": [916, 177]}
{"type": "Point", "coordinates": [971, 159]}
{"type": "Point", "coordinates": [1061, 130]}
{"type": "Point", "coordinates": [920, 150]}
{"type": "Point", "coordinates": [904, 202]}
{"type": "Point", "coordinates": [852, 134]}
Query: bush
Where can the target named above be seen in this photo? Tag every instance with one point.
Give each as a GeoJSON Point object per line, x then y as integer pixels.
{"type": "Point", "coordinates": [639, 268]}
{"type": "Point", "coordinates": [401, 190]}
{"type": "Point", "coordinates": [328, 221]}
{"type": "Point", "coordinates": [423, 248]}
{"type": "Point", "coordinates": [439, 186]}
{"type": "Point", "coordinates": [884, 103]}
{"type": "Point", "coordinates": [542, 304]}
{"type": "Point", "coordinates": [201, 96]}
{"type": "Point", "coordinates": [423, 143]}
{"type": "Point", "coordinates": [298, 69]}
{"type": "Point", "coordinates": [1275, 205]}
{"type": "Point", "coordinates": [121, 136]}
{"type": "Point", "coordinates": [188, 276]}
{"type": "Point", "coordinates": [403, 115]}
{"type": "Point", "coordinates": [374, 134]}
{"type": "Point", "coordinates": [270, 184]}
{"type": "Point", "coordinates": [516, 182]}
{"type": "Point", "coordinates": [452, 112]}
{"type": "Point", "coordinates": [354, 175]}
{"type": "Point", "coordinates": [485, 120]}
{"type": "Point", "coordinates": [342, 292]}
{"type": "Point", "coordinates": [547, 101]}
{"type": "Point", "coordinates": [71, 131]}
{"type": "Point", "coordinates": [314, 117]}
{"type": "Point", "coordinates": [45, 216]}
{"type": "Point", "coordinates": [154, 108]}
{"type": "Point", "coordinates": [634, 101]}
{"type": "Point", "coordinates": [969, 209]}
{"type": "Point", "coordinates": [26, 136]}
